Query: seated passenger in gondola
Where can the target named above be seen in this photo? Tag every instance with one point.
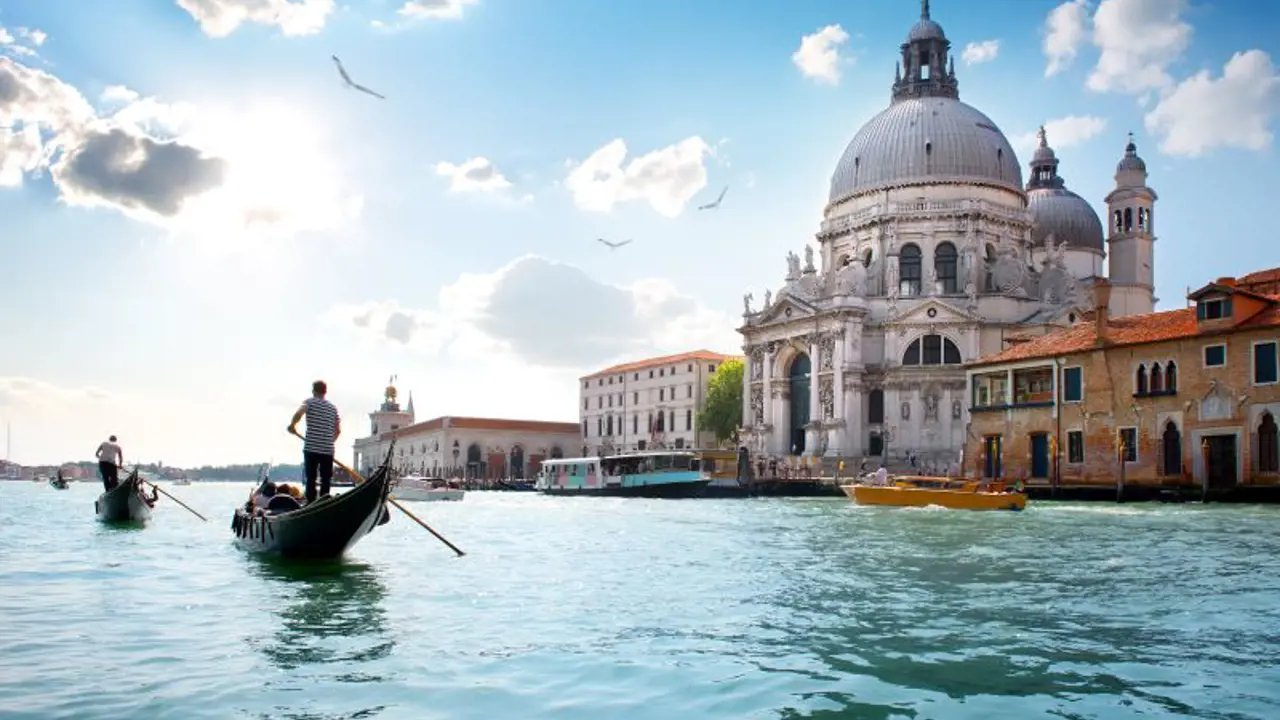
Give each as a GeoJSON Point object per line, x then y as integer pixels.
{"type": "Point", "coordinates": [259, 499]}
{"type": "Point", "coordinates": [282, 501]}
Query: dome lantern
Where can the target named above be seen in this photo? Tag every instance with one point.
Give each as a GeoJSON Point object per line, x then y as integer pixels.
{"type": "Point", "coordinates": [925, 57]}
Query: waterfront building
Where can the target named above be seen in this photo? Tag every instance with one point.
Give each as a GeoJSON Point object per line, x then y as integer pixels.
{"type": "Point", "coordinates": [456, 446]}
{"type": "Point", "coordinates": [1186, 397]}
{"type": "Point", "coordinates": [931, 252]}
{"type": "Point", "coordinates": [648, 404]}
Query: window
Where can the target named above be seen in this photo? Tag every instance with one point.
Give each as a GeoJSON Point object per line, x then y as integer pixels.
{"type": "Point", "coordinates": [599, 401]}
{"type": "Point", "coordinates": [1171, 447]}
{"type": "Point", "coordinates": [1265, 369]}
{"type": "Point", "coordinates": [1129, 444]}
{"type": "Point", "coordinates": [990, 282]}
{"type": "Point", "coordinates": [600, 427]}
{"type": "Point", "coordinates": [944, 264]}
{"type": "Point", "coordinates": [711, 368]}
{"type": "Point", "coordinates": [689, 390]}
{"type": "Point", "coordinates": [609, 426]}
{"type": "Point", "coordinates": [635, 424]}
{"type": "Point", "coordinates": [662, 372]}
{"type": "Point", "coordinates": [1171, 377]}
{"type": "Point", "coordinates": [650, 374]}
{"type": "Point", "coordinates": [1075, 446]}
{"type": "Point", "coordinates": [875, 407]}
{"type": "Point", "coordinates": [635, 398]}
{"type": "Point", "coordinates": [688, 419]}
{"type": "Point", "coordinates": [611, 381]}
{"type": "Point", "coordinates": [1073, 384]}
{"type": "Point", "coordinates": [1140, 382]}
{"type": "Point", "coordinates": [600, 382]}
{"type": "Point", "coordinates": [635, 376]}
{"type": "Point", "coordinates": [586, 403]}
{"type": "Point", "coordinates": [1214, 309]}
{"type": "Point", "coordinates": [584, 428]}
{"type": "Point", "coordinates": [690, 368]}
{"type": "Point", "coordinates": [671, 420]}
{"type": "Point", "coordinates": [610, 401]}
{"type": "Point", "coordinates": [909, 270]}
{"type": "Point", "coordinates": [1215, 355]}
{"type": "Point", "coordinates": [1157, 380]}
{"type": "Point", "coordinates": [931, 350]}
{"type": "Point", "coordinates": [1268, 444]}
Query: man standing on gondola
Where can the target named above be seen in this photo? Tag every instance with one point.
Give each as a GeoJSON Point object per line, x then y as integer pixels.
{"type": "Point", "coordinates": [323, 428]}
{"type": "Point", "coordinates": [110, 458]}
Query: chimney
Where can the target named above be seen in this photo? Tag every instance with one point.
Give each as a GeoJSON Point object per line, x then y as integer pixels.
{"type": "Point", "coordinates": [1226, 282]}
{"type": "Point", "coordinates": [1101, 308]}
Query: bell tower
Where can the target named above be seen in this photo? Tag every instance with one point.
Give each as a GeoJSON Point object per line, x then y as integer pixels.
{"type": "Point", "coordinates": [389, 416]}
{"type": "Point", "coordinates": [1131, 237]}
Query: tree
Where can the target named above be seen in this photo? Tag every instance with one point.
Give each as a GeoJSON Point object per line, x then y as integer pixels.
{"type": "Point", "coordinates": [722, 408]}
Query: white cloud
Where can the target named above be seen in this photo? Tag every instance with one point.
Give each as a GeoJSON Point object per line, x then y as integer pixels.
{"type": "Point", "coordinates": [980, 52]}
{"type": "Point", "coordinates": [1065, 30]}
{"type": "Point", "coordinates": [547, 314]}
{"type": "Point", "coordinates": [220, 18]}
{"type": "Point", "coordinates": [1137, 41]}
{"type": "Point", "coordinates": [21, 41]}
{"type": "Point", "coordinates": [219, 174]}
{"type": "Point", "coordinates": [1064, 132]}
{"type": "Point", "coordinates": [35, 35]}
{"type": "Point", "coordinates": [665, 178]}
{"type": "Point", "coordinates": [476, 174]}
{"type": "Point", "coordinates": [1235, 110]}
{"type": "Point", "coordinates": [818, 56]}
{"type": "Point", "coordinates": [25, 393]}
{"type": "Point", "coordinates": [435, 9]}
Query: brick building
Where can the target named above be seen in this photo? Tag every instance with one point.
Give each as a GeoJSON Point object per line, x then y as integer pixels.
{"type": "Point", "coordinates": [1186, 397]}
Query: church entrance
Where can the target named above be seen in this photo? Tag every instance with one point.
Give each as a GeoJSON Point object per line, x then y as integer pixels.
{"type": "Point", "coordinates": [475, 463]}
{"type": "Point", "coordinates": [1220, 460]}
{"type": "Point", "coordinates": [799, 379]}
{"type": "Point", "coordinates": [515, 463]}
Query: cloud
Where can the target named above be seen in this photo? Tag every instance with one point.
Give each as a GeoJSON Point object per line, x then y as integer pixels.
{"type": "Point", "coordinates": [220, 18]}
{"type": "Point", "coordinates": [547, 314]}
{"type": "Point", "coordinates": [1065, 30]}
{"type": "Point", "coordinates": [435, 9]}
{"type": "Point", "coordinates": [665, 178]}
{"type": "Point", "coordinates": [25, 394]}
{"type": "Point", "coordinates": [818, 56]}
{"type": "Point", "coordinates": [1137, 41]}
{"type": "Point", "coordinates": [980, 52]}
{"type": "Point", "coordinates": [224, 175]}
{"type": "Point", "coordinates": [1064, 132]}
{"type": "Point", "coordinates": [1234, 110]}
{"type": "Point", "coordinates": [21, 41]}
{"type": "Point", "coordinates": [476, 174]}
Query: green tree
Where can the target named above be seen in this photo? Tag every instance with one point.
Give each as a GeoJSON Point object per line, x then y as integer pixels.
{"type": "Point", "coordinates": [722, 408]}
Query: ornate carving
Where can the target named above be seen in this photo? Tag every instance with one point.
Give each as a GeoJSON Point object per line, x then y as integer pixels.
{"type": "Point", "coordinates": [808, 259]}
{"type": "Point", "coordinates": [757, 363]}
{"type": "Point", "coordinates": [757, 407]}
{"type": "Point", "coordinates": [827, 397]}
{"type": "Point", "coordinates": [1010, 270]}
{"type": "Point", "coordinates": [905, 410]}
{"type": "Point", "coordinates": [931, 408]}
{"type": "Point", "coordinates": [956, 409]}
{"type": "Point", "coordinates": [793, 265]}
{"type": "Point", "coordinates": [826, 352]}
{"type": "Point", "coordinates": [851, 279]}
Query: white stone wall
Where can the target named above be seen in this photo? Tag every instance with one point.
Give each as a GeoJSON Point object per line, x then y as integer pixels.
{"type": "Point", "coordinates": [432, 450]}
{"type": "Point", "coordinates": [633, 397]}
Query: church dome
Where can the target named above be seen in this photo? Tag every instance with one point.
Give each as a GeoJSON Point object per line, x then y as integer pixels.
{"type": "Point", "coordinates": [926, 135]}
{"type": "Point", "coordinates": [1056, 210]}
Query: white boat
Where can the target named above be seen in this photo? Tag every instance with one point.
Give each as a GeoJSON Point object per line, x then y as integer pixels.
{"type": "Point", "coordinates": [425, 489]}
{"type": "Point", "coordinates": [182, 481]}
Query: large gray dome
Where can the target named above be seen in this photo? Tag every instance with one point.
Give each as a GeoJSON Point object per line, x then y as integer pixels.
{"type": "Point", "coordinates": [926, 140]}
{"type": "Point", "coordinates": [1067, 216]}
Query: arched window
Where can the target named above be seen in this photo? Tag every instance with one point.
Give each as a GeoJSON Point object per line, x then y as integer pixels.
{"type": "Point", "coordinates": [866, 258]}
{"type": "Point", "coordinates": [1140, 383]}
{"type": "Point", "coordinates": [1171, 377]}
{"type": "Point", "coordinates": [1268, 445]}
{"type": "Point", "coordinates": [944, 264]}
{"type": "Point", "coordinates": [990, 281]}
{"type": "Point", "coordinates": [875, 406]}
{"type": "Point", "coordinates": [1118, 220]}
{"type": "Point", "coordinates": [1142, 218]}
{"type": "Point", "coordinates": [909, 270]}
{"type": "Point", "coordinates": [1128, 219]}
{"type": "Point", "coordinates": [931, 350]}
{"type": "Point", "coordinates": [1157, 379]}
{"type": "Point", "coordinates": [1172, 442]}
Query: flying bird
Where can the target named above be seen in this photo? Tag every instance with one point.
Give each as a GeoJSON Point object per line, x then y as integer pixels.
{"type": "Point", "coordinates": [350, 83]}
{"type": "Point", "coordinates": [716, 204]}
{"type": "Point", "coordinates": [613, 245]}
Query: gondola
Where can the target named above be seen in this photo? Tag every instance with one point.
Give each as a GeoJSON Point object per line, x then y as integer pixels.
{"type": "Point", "coordinates": [125, 502]}
{"type": "Point", "coordinates": [59, 482]}
{"type": "Point", "coordinates": [320, 530]}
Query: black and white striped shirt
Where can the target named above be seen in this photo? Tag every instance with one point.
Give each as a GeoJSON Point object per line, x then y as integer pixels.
{"type": "Point", "coordinates": [322, 426]}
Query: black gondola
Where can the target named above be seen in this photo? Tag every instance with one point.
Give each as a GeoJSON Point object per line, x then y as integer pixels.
{"type": "Point", "coordinates": [59, 482]}
{"type": "Point", "coordinates": [320, 530]}
{"type": "Point", "coordinates": [125, 502]}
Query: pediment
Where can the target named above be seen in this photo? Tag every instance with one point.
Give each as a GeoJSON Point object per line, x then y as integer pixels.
{"type": "Point", "coordinates": [785, 309]}
{"type": "Point", "coordinates": [935, 312]}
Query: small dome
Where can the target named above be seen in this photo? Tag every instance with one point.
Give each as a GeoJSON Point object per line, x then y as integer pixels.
{"type": "Point", "coordinates": [1068, 217]}
{"type": "Point", "coordinates": [923, 140]}
{"type": "Point", "coordinates": [1131, 161]}
{"type": "Point", "coordinates": [926, 29]}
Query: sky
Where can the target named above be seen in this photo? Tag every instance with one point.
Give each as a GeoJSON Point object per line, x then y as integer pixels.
{"type": "Point", "coordinates": [197, 218]}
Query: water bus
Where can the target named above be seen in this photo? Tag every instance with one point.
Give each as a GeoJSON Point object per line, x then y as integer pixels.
{"type": "Point", "coordinates": [653, 474]}
{"type": "Point", "coordinates": [954, 493]}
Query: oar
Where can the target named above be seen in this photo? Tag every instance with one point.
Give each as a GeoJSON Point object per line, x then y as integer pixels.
{"type": "Point", "coordinates": [360, 480]}
{"type": "Point", "coordinates": [166, 494]}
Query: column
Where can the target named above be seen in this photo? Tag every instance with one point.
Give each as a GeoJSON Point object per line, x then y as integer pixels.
{"type": "Point", "coordinates": [748, 419]}
{"type": "Point", "coordinates": [766, 400]}
{"type": "Point", "coordinates": [815, 404]}
{"type": "Point", "coordinates": [838, 440]}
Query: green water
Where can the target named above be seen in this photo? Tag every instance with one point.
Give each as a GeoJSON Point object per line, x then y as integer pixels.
{"type": "Point", "coordinates": [574, 608]}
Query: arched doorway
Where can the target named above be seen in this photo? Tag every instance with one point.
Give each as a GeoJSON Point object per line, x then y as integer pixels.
{"type": "Point", "coordinates": [1268, 439]}
{"type": "Point", "coordinates": [515, 463]}
{"type": "Point", "coordinates": [475, 464]}
{"type": "Point", "coordinates": [556, 452]}
{"type": "Point", "coordinates": [1172, 447]}
{"type": "Point", "coordinates": [798, 379]}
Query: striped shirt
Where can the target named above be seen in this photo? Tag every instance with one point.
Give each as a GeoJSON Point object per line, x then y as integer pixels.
{"type": "Point", "coordinates": [322, 426]}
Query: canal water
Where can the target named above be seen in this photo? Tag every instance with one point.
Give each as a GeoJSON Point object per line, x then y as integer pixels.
{"type": "Point", "coordinates": [573, 608]}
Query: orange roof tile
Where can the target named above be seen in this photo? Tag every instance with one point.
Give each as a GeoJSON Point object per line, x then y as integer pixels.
{"type": "Point", "coordinates": [704, 355]}
{"type": "Point", "coordinates": [479, 423]}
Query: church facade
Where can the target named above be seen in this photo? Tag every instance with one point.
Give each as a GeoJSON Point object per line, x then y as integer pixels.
{"type": "Point", "coordinates": [931, 253]}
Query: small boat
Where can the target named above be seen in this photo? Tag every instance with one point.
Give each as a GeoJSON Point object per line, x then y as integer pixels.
{"type": "Point", "coordinates": [125, 502]}
{"type": "Point", "coordinates": [182, 481]}
{"type": "Point", "coordinates": [423, 489]}
{"type": "Point", "coordinates": [957, 494]}
{"type": "Point", "coordinates": [59, 482]}
{"type": "Point", "coordinates": [654, 474]}
{"type": "Point", "coordinates": [319, 530]}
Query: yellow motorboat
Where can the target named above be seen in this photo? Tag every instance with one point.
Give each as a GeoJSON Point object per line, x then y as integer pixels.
{"type": "Point", "coordinates": [945, 492]}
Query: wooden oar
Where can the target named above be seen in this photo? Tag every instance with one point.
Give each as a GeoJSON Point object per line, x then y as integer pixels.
{"type": "Point", "coordinates": [360, 480]}
{"type": "Point", "coordinates": [166, 494]}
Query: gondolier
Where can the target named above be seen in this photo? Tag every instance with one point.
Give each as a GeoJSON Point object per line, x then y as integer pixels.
{"type": "Point", "coordinates": [110, 458]}
{"type": "Point", "coordinates": [323, 428]}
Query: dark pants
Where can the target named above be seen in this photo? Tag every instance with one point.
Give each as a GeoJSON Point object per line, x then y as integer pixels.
{"type": "Point", "coordinates": [110, 474]}
{"type": "Point", "coordinates": [314, 464]}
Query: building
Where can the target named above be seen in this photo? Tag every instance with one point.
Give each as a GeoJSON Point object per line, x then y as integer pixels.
{"type": "Point", "coordinates": [1183, 397]}
{"type": "Point", "coordinates": [648, 404]}
{"type": "Point", "coordinates": [471, 447]}
{"type": "Point", "coordinates": [931, 252]}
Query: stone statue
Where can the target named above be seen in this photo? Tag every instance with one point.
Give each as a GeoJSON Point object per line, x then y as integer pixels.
{"type": "Point", "coordinates": [746, 304]}
{"type": "Point", "coordinates": [793, 265]}
{"type": "Point", "coordinates": [930, 407]}
{"type": "Point", "coordinates": [933, 287]}
{"type": "Point", "coordinates": [768, 299]}
{"type": "Point", "coordinates": [1056, 255]}
{"type": "Point", "coordinates": [892, 279]}
{"type": "Point", "coordinates": [808, 259]}
{"type": "Point", "coordinates": [956, 409]}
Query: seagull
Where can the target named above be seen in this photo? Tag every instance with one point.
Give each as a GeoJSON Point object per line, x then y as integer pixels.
{"type": "Point", "coordinates": [716, 204]}
{"type": "Point", "coordinates": [347, 79]}
{"type": "Point", "coordinates": [613, 245]}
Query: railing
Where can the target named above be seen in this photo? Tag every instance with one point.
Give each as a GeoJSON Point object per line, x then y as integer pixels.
{"type": "Point", "coordinates": [924, 207]}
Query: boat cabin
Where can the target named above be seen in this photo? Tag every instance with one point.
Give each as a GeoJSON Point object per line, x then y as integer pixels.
{"type": "Point", "coordinates": [624, 470]}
